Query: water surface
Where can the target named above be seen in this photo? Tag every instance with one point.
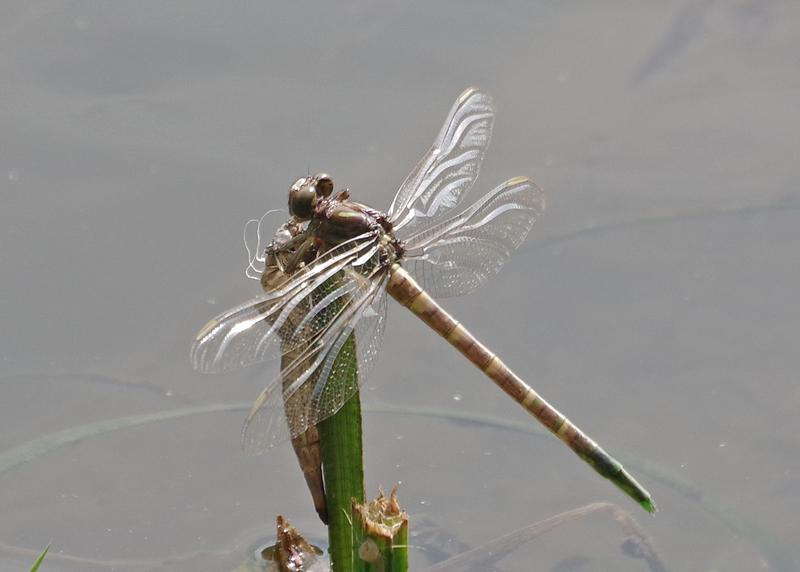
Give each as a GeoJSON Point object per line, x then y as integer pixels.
{"type": "Point", "coordinates": [655, 302]}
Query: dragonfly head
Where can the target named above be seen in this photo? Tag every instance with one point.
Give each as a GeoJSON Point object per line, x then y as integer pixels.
{"type": "Point", "coordinates": [306, 192]}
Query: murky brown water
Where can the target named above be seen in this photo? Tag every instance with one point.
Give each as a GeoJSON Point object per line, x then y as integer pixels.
{"type": "Point", "coordinates": [655, 303]}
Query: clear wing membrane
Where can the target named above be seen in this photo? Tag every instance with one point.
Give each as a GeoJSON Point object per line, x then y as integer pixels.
{"type": "Point", "coordinates": [243, 335]}
{"type": "Point", "coordinates": [367, 333]}
{"type": "Point", "coordinates": [459, 254]}
{"type": "Point", "coordinates": [448, 170]}
{"type": "Point", "coordinates": [315, 382]}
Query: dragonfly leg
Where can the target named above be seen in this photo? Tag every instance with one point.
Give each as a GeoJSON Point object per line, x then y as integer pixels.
{"type": "Point", "coordinates": [299, 255]}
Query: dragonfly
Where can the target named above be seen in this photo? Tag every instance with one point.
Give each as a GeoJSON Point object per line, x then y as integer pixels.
{"type": "Point", "coordinates": [330, 267]}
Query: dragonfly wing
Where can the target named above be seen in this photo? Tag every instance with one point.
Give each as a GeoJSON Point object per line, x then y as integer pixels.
{"type": "Point", "coordinates": [449, 168]}
{"type": "Point", "coordinates": [362, 336]}
{"type": "Point", "coordinates": [313, 383]}
{"type": "Point", "coordinates": [459, 254]}
{"type": "Point", "coordinates": [266, 425]}
{"type": "Point", "coordinates": [244, 334]}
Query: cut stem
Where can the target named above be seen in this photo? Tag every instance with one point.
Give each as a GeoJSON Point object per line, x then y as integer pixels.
{"type": "Point", "coordinates": [383, 526]}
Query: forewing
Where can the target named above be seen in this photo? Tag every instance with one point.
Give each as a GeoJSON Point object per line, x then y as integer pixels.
{"type": "Point", "coordinates": [448, 170]}
{"type": "Point", "coordinates": [243, 335]}
{"type": "Point", "coordinates": [316, 380]}
{"type": "Point", "coordinates": [359, 343]}
{"type": "Point", "coordinates": [459, 254]}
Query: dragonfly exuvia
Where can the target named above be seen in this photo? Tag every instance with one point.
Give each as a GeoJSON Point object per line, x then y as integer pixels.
{"type": "Point", "coordinates": [329, 268]}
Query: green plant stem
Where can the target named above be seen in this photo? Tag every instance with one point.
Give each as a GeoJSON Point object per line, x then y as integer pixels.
{"type": "Point", "coordinates": [342, 465]}
{"type": "Point", "coordinates": [400, 550]}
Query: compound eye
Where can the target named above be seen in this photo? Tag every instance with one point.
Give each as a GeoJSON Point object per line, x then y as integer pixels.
{"type": "Point", "coordinates": [302, 200]}
{"type": "Point", "coordinates": [324, 184]}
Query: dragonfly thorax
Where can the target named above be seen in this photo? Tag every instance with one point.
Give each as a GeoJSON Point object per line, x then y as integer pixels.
{"type": "Point", "coordinates": [322, 221]}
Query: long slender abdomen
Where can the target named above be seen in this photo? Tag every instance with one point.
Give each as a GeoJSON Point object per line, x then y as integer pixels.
{"type": "Point", "coordinates": [407, 292]}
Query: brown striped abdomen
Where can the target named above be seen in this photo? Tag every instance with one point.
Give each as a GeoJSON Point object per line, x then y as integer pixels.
{"type": "Point", "coordinates": [407, 292]}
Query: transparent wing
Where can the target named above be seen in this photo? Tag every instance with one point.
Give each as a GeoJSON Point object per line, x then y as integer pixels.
{"type": "Point", "coordinates": [244, 334]}
{"type": "Point", "coordinates": [364, 337]}
{"type": "Point", "coordinates": [459, 254]}
{"type": "Point", "coordinates": [448, 170]}
{"type": "Point", "coordinates": [266, 425]}
{"type": "Point", "coordinates": [316, 381]}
